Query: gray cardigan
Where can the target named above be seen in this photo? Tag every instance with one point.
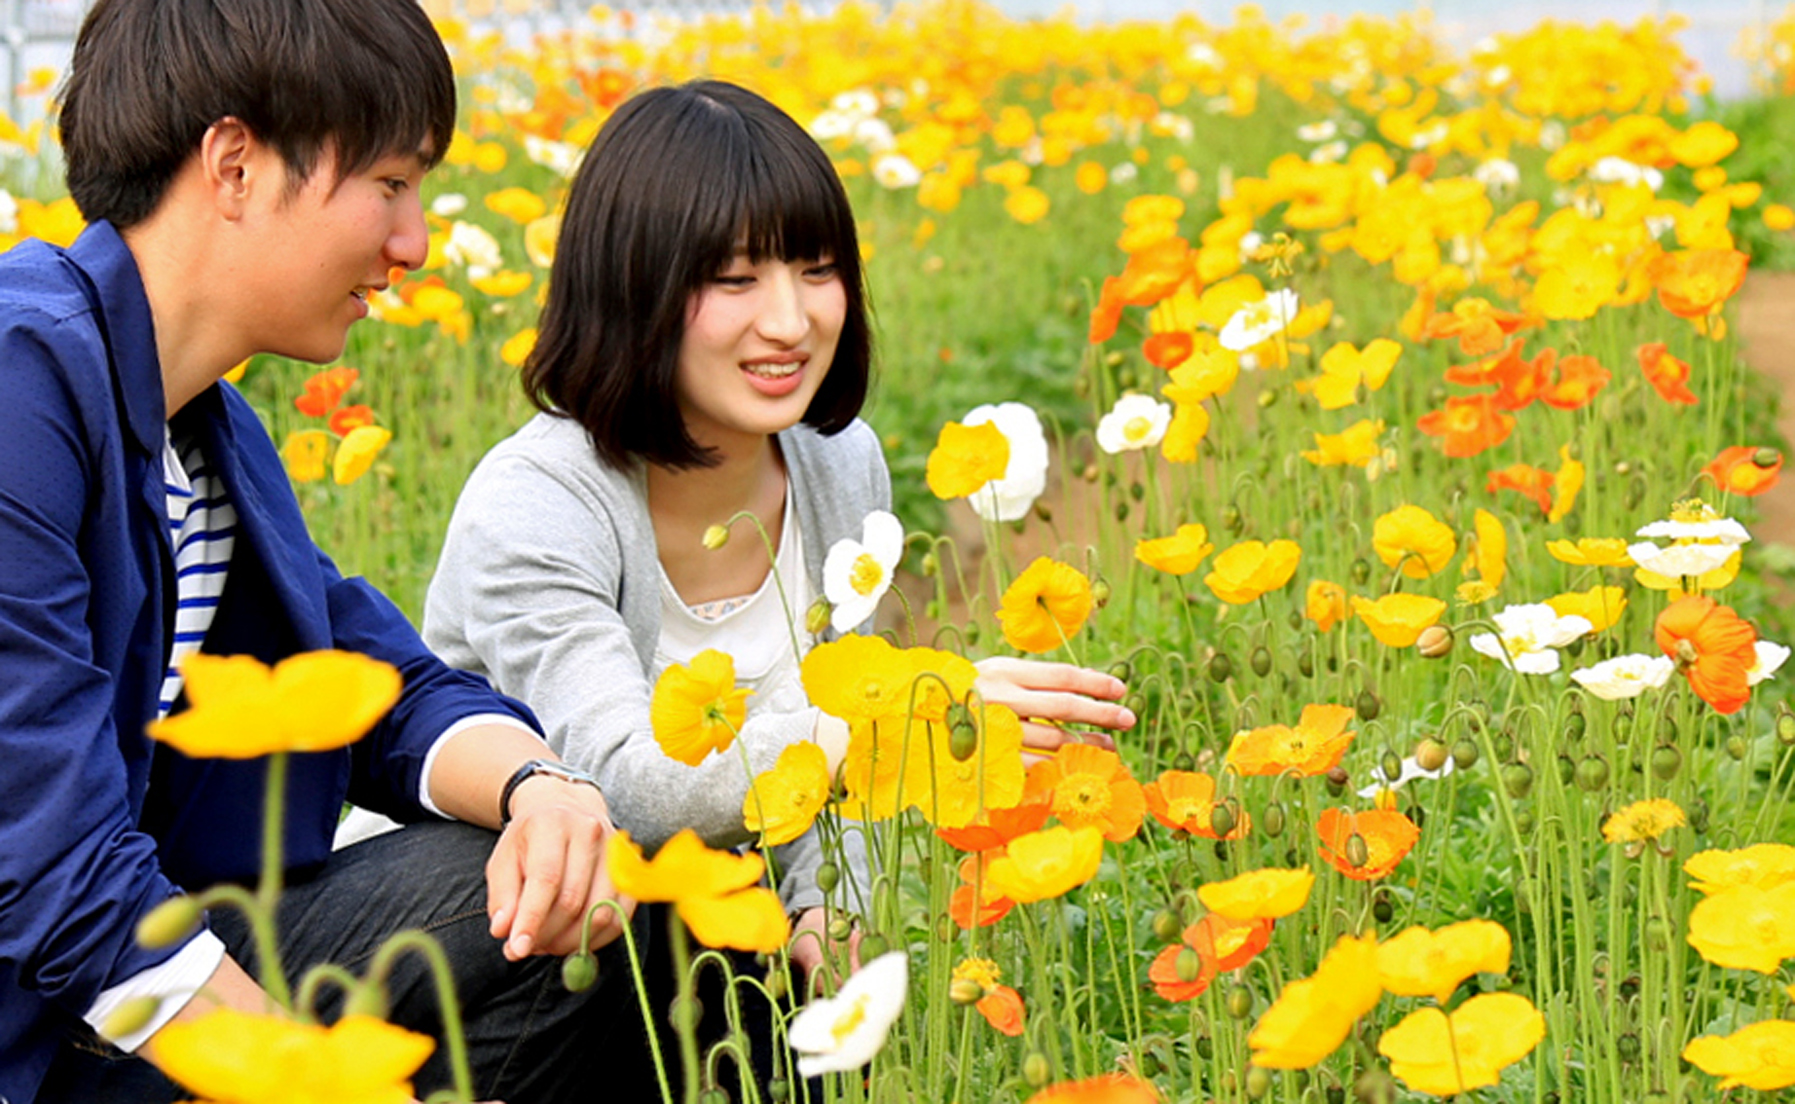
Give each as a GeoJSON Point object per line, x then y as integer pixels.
{"type": "Point", "coordinates": [549, 586]}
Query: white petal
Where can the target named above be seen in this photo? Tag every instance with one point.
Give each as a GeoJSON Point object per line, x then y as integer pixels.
{"type": "Point", "coordinates": [879, 988]}
{"type": "Point", "coordinates": [883, 534]}
{"type": "Point", "coordinates": [1770, 657]}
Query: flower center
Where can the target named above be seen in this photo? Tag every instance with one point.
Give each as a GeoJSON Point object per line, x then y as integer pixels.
{"type": "Point", "coordinates": [868, 573]}
{"type": "Point", "coordinates": [1137, 429]}
{"type": "Point", "coordinates": [1185, 810]}
{"type": "Point", "coordinates": [1085, 795]}
{"type": "Point", "coordinates": [849, 1021]}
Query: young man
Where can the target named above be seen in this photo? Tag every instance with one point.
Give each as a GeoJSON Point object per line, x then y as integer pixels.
{"type": "Point", "coordinates": [250, 169]}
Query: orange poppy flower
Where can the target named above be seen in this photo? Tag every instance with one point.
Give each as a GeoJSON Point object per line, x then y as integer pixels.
{"type": "Point", "coordinates": [1163, 973]}
{"type": "Point", "coordinates": [1184, 800]}
{"type": "Point", "coordinates": [347, 418]}
{"type": "Point", "coordinates": [1107, 314]}
{"type": "Point", "coordinates": [1532, 482]}
{"type": "Point", "coordinates": [1667, 375]}
{"type": "Point", "coordinates": [1154, 272]}
{"type": "Point", "coordinates": [1090, 787]}
{"type": "Point", "coordinates": [1221, 945]}
{"type": "Point", "coordinates": [1577, 381]}
{"type": "Point", "coordinates": [1002, 1009]}
{"type": "Point", "coordinates": [1110, 1088]}
{"type": "Point", "coordinates": [993, 828]}
{"type": "Point", "coordinates": [1694, 283]}
{"type": "Point", "coordinates": [1325, 604]}
{"type": "Point", "coordinates": [1714, 648]}
{"type": "Point", "coordinates": [971, 906]}
{"type": "Point", "coordinates": [1468, 425]}
{"type": "Point", "coordinates": [1314, 746]}
{"type": "Point", "coordinates": [325, 390]}
{"type": "Point", "coordinates": [1387, 835]}
{"type": "Point", "coordinates": [1478, 326]}
{"type": "Point", "coordinates": [1737, 470]}
{"type": "Point", "coordinates": [1168, 350]}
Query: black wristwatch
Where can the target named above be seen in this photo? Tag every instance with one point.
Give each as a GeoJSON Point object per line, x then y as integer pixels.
{"type": "Point", "coordinates": [531, 769]}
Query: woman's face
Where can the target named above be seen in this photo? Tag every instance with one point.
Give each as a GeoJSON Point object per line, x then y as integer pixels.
{"type": "Point", "coordinates": [759, 339]}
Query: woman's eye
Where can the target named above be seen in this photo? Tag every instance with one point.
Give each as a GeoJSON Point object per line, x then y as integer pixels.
{"type": "Point", "coordinates": [824, 270]}
{"type": "Point", "coordinates": [728, 280]}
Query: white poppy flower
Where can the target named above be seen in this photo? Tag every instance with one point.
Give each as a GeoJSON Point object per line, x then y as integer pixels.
{"type": "Point", "coordinates": [1770, 657]}
{"type": "Point", "coordinates": [1318, 132]}
{"type": "Point", "coordinates": [894, 170]}
{"type": "Point", "coordinates": [1257, 323]}
{"type": "Point", "coordinates": [1625, 676]}
{"type": "Point", "coordinates": [1136, 422]}
{"type": "Point", "coordinates": [561, 157]}
{"type": "Point", "coordinates": [1618, 170]}
{"type": "Point", "coordinates": [831, 125]}
{"type": "Point", "coordinates": [1411, 770]}
{"type": "Point", "coordinates": [1529, 638]}
{"type": "Point", "coordinates": [1009, 498]}
{"type": "Point", "coordinates": [472, 247]}
{"type": "Point", "coordinates": [1699, 524]}
{"type": "Point", "coordinates": [874, 135]}
{"type": "Point", "coordinates": [1124, 173]}
{"type": "Point", "coordinates": [9, 213]}
{"type": "Point", "coordinates": [856, 103]}
{"type": "Point", "coordinates": [1677, 560]}
{"type": "Point", "coordinates": [1329, 152]}
{"type": "Point", "coordinates": [449, 204]}
{"type": "Point", "coordinates": [857, 573]}
{"type": "Point", "coordinates": [1497, 175]}
{"type": "Point", "coordinates": [844, 1032]}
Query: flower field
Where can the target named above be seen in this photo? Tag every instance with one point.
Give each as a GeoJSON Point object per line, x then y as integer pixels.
{"type": "Point", "coordinates": [1372, 409]}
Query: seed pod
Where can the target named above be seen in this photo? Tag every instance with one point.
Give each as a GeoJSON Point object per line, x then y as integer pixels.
{"type": "Point", "coordinates": [828, 876]}
{"type": "Point", "coordinates": [168, 923]}
{"type": "Point", "coordinates": [1188, 965]}
{"type": "Point", "coordinates": [1785, 727]}
{"type": "Point", "coordinates": [1358, 852]}
{"type": "Point", "coordinates": [1272, 819]}
{"type": "Point", "coordinates": [130, 1017]}
{"type": "Point", "coordinates": [1183, 761]}
{"type": "Point", "coordinates": [1368, 705]}
{"type": "Point", "coordinates": [1035, 1069]}
{"type": "Point", "coordinates": [1261, 661]}
{"type": "Point", "coordinates": [1337, 779]}
{"type": "Point", "coordinates": [1666, 761]}
{"type": "Point", "coordinates": [1231, 519]}
{"type": "Point", "coordinates": [1167, 926]}
{"type": "Point", "coordinates": [1258, 1082]}
{"type": "Point", "coordinates": [1567, 769]}
{"type": "Point", "coordinates": [579, 972]}
{"type": "Point", "coordinates": [1221, 819]}
{"type": "Point", "coordinates": [776, 985]}
{"type": "Point", "coordinates": [1305, 665]}
{"type": "Point", "coordinates": [1592, 773]}
{"type": "Point", "coordinates": [1464, 753]}
{"type": "Point", "coordinates": [1240, 1002]}
{"type": "Point", "coordinates": [713, 1095]}
{"type": "Point", "coordinates": [1221, 668]}
{"type": "Point", "coordinates": [1517, 780]}
{"type": "Point", "coordinates": [962, 734]}
{"type": "Point", "coordinates": [1430, 754]}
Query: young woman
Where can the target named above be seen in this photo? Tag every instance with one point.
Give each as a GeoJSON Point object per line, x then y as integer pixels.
{"type": "Point", "coordinates": [704, 350]}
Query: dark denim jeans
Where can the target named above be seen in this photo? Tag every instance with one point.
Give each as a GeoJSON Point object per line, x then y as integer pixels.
{"type": "Point", "coordinates": [529, 1039]}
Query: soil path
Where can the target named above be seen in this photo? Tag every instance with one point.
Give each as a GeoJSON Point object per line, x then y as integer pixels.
{"type": "Point", "coordinates": [1766, 322]}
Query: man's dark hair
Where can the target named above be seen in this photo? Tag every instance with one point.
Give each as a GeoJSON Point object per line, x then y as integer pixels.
{"type": "Point", "coordinates": [361, 78]}
{"type": "Point", "coordinates": [678, 181]}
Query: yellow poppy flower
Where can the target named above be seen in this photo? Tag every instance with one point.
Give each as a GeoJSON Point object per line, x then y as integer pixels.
{"type": "Point", "coordinates": [1325, 604]}
{"type": "Point", "coordinates": [1355, 446]}
{"type": "Point", "coordinates": [950, 792]}
{"type": "Point", "coordinates": [1190, 424]}
{"type": "Point", "coordinates": [1045, 606]}
{"type": "Point", "coordinates": [1252, 568]}
{"type": "Point", "coordinates": [227, 1055]}
{"type": "Point", "coordinates": [875, 771]}
{"type": "Point", "coordinates": [303, 453]}
{"type": "Point", "coordinates": [1745, 927]}
{"type": "Point", "coordinates": [520, 205]}
{"type": "Point", "coordinates": [1764, 865]}
{"type": "Point", "coordinates": [1591, 552]}
{"type": "Point", "coordinates": [1601, 606]}
{"type": "Point", "coordinates": [1313, 746]}
{"type": "Point", "coordinates": [717, 893]}
{"type": "Point", "coordinates": [1489, 557]}
{"type": "Point", "coordinates": [240, 708]}
{"type": "Point", "coordinates": [1422, 963]}
{"type": "Point", "coordinates": [1577, 285]}
{"type": "Point", "coordinates": [1397, 619]}
{"type": "Point", "coordinates": [540, 237]}
{"type": "Point", "coordinates": [1258, 894]}
{"type": "Point", "coordinates": [696, 707]}
{"type": "Point", "coordinates": [504, 284]}
{"type": "Point", "coordinates": [1313, 1016]}
{"type": "Point", "coordinates": [1027, 204]}
{"type": "Point", "coordinates": [1643, 821]}
{"type": "Point", "coordinates": [966, 458]}
{"type": "Point", "coordinates": [1178, 554]}
{"type": "Point", "coordinates": [1758, 1056]}
{"type": "Point", "coordinates": [1344, 369]}
{"type": "Point", "coordinates": [1411, 537]}
{"type": "Point", "coordinates": [784, 801]}
{"type": "Point", "coordinates": [357, 451]}
{"type": "Point", "coordinates": [1445, 1056]}
{"type": "Point", "coordinates": [518, 346]}
{"type": "Point", "coordinates": [1565, 485]}
{"type": "Point", "coordinates": [1046, 864]}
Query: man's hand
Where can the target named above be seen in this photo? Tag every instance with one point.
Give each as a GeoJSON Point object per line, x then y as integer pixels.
{"type": "Point", "coordinates": [1048, 696]}
{"type": "Point", "coordinates": [548, 870]}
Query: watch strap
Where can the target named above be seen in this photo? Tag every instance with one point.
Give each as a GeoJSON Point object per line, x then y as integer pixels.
{"type": "Point", "coordinates": [531, 769]}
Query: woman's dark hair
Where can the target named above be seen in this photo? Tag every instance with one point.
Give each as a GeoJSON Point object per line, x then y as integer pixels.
{"type": "Point", "coordinates": [362, 78]}
{"type": "Point", "coordinates": [659, 207]}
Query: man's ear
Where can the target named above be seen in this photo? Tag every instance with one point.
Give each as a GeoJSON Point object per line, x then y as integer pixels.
{"type": "Point", "coordinates": [229, 163]}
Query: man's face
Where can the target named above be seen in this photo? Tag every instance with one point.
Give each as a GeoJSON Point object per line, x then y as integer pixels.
{"type": "Point", "coordinates": [322, 246]}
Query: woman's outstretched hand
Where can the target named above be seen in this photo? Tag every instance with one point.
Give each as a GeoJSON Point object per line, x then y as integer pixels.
{"type": "Point", "coordinates": [1049, 697]}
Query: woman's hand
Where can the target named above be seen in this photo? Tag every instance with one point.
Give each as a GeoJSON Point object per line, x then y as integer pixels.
{"type": "Point", "coordinates": [1050, 696]}
{"type": "Point", "coordinates": [809, 935]}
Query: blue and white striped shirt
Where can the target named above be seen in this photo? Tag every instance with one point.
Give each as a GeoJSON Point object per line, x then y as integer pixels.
{"type": "Point", "coordinates": [202, 525]}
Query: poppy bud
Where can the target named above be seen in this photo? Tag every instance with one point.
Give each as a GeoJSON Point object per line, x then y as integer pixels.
{"type": "Point", "coordinates": [1524, 822]}
{"type": "Point", "coordinates": [1089, 474]}
{"type": "Point", "coordinates": [1035, 1069]}
{"type": "Point", "coordinates": [1434, 642]}
{"type": "Point", "coordinates": [1082, 386]}
{"type": "Point", "coordinates": [1258, 1082]}
{"type": "Point", "coordinates": [1231, 519]}
{"type": "Point", "coordinates": [1785, 726]}
{"type": "Point", "coordinates": [1121, 510]}
{"type": "Point", "coordinates": [816, 618]}
{"type": "Point", "coordinates": [1272, 820]}
{"type": "Point", "coordinates": [715, 537]}
{"type": "Point", "coordinates": [1766, 457]}
{"type": "Point", "coordinates": [130, 1017]}
{"type": "Point", "coordinates": [1626, 1048]}
{"type": "Point", "coordinates": [1657, 934]}
{"type": "Point", "coordinates": [1736, 748]}
{"type": "Point", "coordinates": [1592, 773]}
{"type": "Point", "coordinates": [1361, 571]}
{"type": "Point", "coordinates": [1268, 398]}
{"type": "Point", "coordinates": [168, 923]}
{"type": "Point", "coordinates": [931, 565]}
{"type": "Point", "coordinates": [776, 986]}
{"type": "Point", "coordinates": [579, 972]}
{"type": "Point", "coordinates": [1575, 726]}
{"type": "Point", "coordinates": [779, 1090]}
{"type": "Point", "coordinates": [1043, 511]}
{"type": "Point", "coordinates": [1368, 705]}
{"type": "Point", "coordinates": [1337, 780]}
{"type": "Point", "coordinates": [1390, 764]}
{"type": "Point", "coordinates": [1464, 753]}
{"type": "Point", "coordinates": [1567, 769]}
{"type": "Point", "coordinates": [1261, 661]}
{"type": "Point", "coordinates": [1188, 965]}
{"type": "Point", "coordinates": [963, 735]}
{"type": "Point", "coordinates": [944, 928]}
{"type": "Point", "coordinates": [1205, 1048]}
{"type": "Point", "coordinates": [713, 1096]}
{"type": "Point", "coordinates": [1121, 670]}
{"type": "Point", "coordinates": [1114, 358]}
{"type": "Point", "coordinates": [1358, 852]}
{"type": "Point", "coordinates": [828, 876]}
{"type": "Point", "coordinates": [684, 1013]}
{"type": "Point", "coordinates": [1100, 592]}
{"type": "Point", "coordinates": [1240, 1002]}
{"type": "Point", "coordinates": [1698, 816]}
{"type": "Point", "coordinates": [1517, 780]}
{"type": "Point", "coordinates": [1221, 668]}
{"type": "Point", "coordinates": [1305, 665]}
{"type": "Point", "coordinates": [965, 991]}
{"type": "Point", "coordinates": [1374, 1086]}
{"type": "Point", "coordinates": [840, 928]}
{"type": "Point", "coordinates": [1430, 754]}
{"type": "Point", "coordinates": [1382, 908]}
{"type": "Point", "coordinates": [972, 633]}
{"type": "Point", "coordinates": [1167, 926]}
{"type": "Point", "coordinates": [1666, 761]}
{"type": "Point", "coordinates": [1221, 819]}
{"type": "Point", "coordinates": [872, 946]}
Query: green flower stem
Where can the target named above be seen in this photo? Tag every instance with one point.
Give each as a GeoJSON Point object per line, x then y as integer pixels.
{"type": "Point", "coordinates": [684, 1022]}
{"type": "Point", "coordinates": [766, 541]}
{"type": "Point", "coordinates": [271, 976]}
{"type": "Point", "coordinates": [450, 1006]}
{"type": "Point", "coordinates": [1047, 1005]}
